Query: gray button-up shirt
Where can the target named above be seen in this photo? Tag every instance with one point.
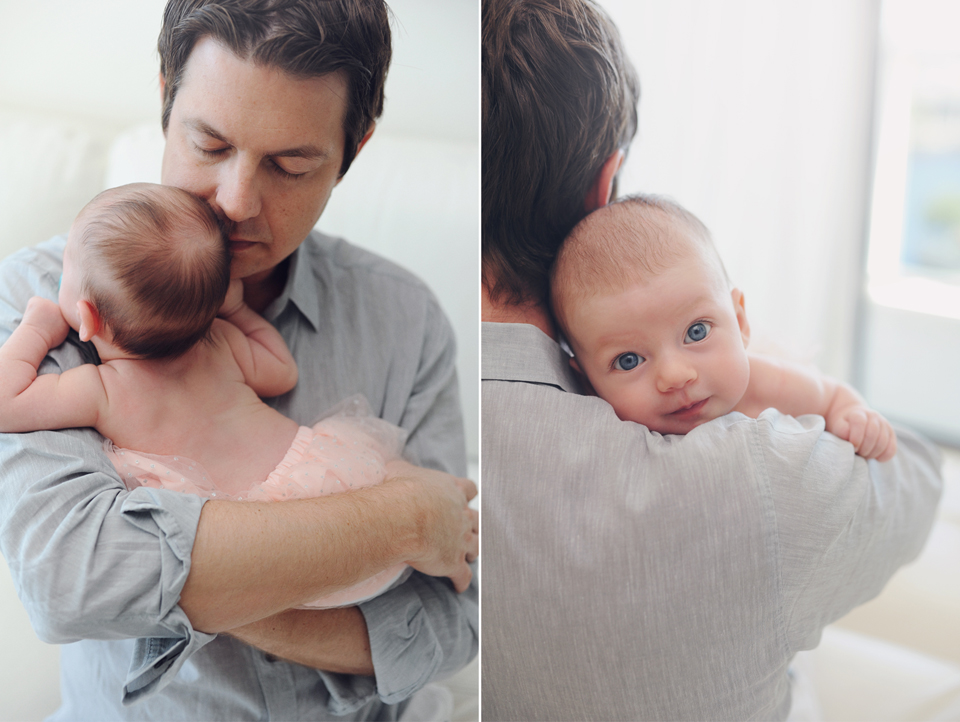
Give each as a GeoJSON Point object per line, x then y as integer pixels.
{"type": "Point", "coordinates": [100, 569]}
{"type": "Point", "coordinates": [634, 576]}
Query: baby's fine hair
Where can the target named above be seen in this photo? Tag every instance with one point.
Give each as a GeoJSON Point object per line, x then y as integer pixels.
{"type": "Point", "coordinates": [156, 265]}
{"type": "Point", "coordinates": [619, 245]}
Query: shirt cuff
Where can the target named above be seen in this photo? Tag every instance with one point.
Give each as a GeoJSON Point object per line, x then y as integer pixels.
{"type": "Point", "coordinates": [421, 631]}
{"type": "Point", "coordinates": [406, 654]}
{"type": "Point", "coordinates": [157, 659]}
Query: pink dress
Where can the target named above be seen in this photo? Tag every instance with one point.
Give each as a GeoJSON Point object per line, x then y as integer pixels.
{"type": "Point", "coordinates": [348, 449]}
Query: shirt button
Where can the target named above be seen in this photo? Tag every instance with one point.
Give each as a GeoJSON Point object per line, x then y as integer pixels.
{"type": "Point", "coordinates": [270, 658]}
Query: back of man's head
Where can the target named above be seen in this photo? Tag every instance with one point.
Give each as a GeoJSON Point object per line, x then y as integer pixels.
{"type": "Point", "coordinates": [305, 38]}
{"type": "Point", "coordinates": [559, 97]}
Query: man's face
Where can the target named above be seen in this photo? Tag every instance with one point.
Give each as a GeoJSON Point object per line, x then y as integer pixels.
{"type": "Point", "coordinates": [669, 352]}
{"type": "Point", "coordinates": [261, 147]}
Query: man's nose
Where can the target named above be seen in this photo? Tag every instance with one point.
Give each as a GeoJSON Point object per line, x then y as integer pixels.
{"type": "Point", "coordinates": [674, 373]}
{"type": "Point", "coordinates": [238, 190]}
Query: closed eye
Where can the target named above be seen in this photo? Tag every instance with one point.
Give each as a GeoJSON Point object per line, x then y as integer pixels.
{"type": "Point", "coordinates": [213, 152]}
{"type": "Point", "coordinates": [280, 171]}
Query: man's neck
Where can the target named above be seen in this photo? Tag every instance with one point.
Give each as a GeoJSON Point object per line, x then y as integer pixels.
{"type": "Point", "coordinates": [535, 314]}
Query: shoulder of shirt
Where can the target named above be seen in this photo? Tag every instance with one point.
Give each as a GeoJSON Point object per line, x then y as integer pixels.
{"type": "Point", "coordinates": [340, 256]}
{"type": "Point", "coordinates": [33, 271]}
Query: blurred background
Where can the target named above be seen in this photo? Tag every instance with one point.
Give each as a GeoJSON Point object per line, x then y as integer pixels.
{"type": "Point", "coordinates": [80, 112]}
{"type": "Point", "coordinates": [820, 143]}
{"type": "Point", "coordinates": [809, 137]}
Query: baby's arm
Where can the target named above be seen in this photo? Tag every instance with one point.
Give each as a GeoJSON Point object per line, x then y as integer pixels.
{"type": "Point", "coordinates": [53, 401]}
{"type": "Point", "coordinates": [262, 354]}
{"type": "Point", "coordinates": [796, 390]}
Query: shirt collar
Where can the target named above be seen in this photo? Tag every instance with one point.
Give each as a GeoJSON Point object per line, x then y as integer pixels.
{"type": "Point", "coordinates": [301, 289]}
{"type": "Point", "coordinates": [521, 352]}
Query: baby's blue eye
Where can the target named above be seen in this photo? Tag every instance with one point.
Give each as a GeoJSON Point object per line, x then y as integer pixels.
{"type": "Point", "coordinates": [627, 361]}
{"type": "Point", "coordinates": [697, 332]}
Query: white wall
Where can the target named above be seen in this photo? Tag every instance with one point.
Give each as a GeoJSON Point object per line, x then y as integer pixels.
{"type": "Point", "coordinates": [98, 59]}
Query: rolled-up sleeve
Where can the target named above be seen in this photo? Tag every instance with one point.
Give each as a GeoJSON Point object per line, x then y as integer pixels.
{"type": "Point", "coordinates": [91, 560]}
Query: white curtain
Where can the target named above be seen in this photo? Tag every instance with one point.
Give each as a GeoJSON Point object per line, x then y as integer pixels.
{"type": "Point", "coordinates": [757, 117]}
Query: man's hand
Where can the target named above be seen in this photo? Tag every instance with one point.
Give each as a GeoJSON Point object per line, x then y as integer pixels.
{"type": "Point", "coordinates": [449, 528]}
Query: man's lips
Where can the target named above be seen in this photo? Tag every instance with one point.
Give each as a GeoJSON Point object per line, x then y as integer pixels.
{"type": "Point", "coordinates": [691, 410]}
{"type": "Point", "coordinates": [240, 245]}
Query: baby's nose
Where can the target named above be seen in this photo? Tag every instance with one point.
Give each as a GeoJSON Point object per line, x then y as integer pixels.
{"type": "Point", "coordinates": [674, 375]}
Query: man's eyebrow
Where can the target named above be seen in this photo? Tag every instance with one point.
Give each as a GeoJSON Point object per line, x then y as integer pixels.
{"type": "Point", "coordinates": [201, 127]}
{"type": "Point", "coordinates": [307, 152]}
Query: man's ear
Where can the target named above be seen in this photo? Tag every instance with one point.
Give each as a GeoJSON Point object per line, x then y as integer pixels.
{"type": "Point", "coordinates": [163, 85]}
{"type": "Point", "coordinates": [90, 322]}
{"type": "Point", "coordinates": [601, 190]}
{"type": "Point", "coordinates": [740, 308]}
{"type": "Point", "coordinates": [366, 136]}
{"type": "Point", "coordinates": [363, 142]}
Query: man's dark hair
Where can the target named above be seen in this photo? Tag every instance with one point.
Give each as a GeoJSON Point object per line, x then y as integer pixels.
{"type": "Point", "coordinates": [305, 38]}
{"type": "Point", "coordinates": [559, 97]}
{"type": "Point", "coordinates": [156, 267]}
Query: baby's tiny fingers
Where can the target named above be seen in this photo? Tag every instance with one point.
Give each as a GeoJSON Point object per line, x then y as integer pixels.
{"type": "Point", "coordinates": [871, 445]}
{"type": "Point", "coordinates": [890, 450]}
{"type": "Point", "coordinates": [858, 427]}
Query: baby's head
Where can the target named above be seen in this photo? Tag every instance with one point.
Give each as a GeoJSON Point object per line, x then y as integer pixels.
{"type": "Point", "coordinates": [149, 264]}
{"type": "Point", "coordinates": [643, 299]}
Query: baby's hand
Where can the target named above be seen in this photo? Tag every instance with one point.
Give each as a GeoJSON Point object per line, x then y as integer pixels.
{"type": "Point", "coordinates": [44, 315]}
{"type": "Point", "coordinates": [869, 432]}
{"type": "Point", "coordinates": [234, 299]}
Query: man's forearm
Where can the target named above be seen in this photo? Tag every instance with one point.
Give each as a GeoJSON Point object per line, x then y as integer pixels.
{"type": "Point", "coordinates": [333, 640]}
{"type": "Point", "coordinates": [253, 560]}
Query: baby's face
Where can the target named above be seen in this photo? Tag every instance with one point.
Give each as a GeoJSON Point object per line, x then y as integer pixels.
{"type": "Point", "coordinates": [669, 352]}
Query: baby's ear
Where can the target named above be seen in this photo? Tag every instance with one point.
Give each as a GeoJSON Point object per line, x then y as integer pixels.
{"type": "Point", "coordinates": [90, 322]}
{"type": "Point", "coordinates": [740, 309]}
{"type": "Point", "coordinates": [584, 381]}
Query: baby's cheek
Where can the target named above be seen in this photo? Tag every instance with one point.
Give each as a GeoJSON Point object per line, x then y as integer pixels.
{"type": "Point", "coordinates": [740, 379]}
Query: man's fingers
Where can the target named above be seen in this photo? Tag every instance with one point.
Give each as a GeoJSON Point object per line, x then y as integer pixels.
{"type": "Point", "coordinates": [474, 543]}
{"type": "Point", "coordinates": [461, 580]}
{"type": "Point", "coordinates": [468, 488]}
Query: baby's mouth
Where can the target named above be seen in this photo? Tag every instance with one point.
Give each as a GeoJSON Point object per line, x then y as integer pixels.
{"type": "Point", "coordinates": [690, 410]}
